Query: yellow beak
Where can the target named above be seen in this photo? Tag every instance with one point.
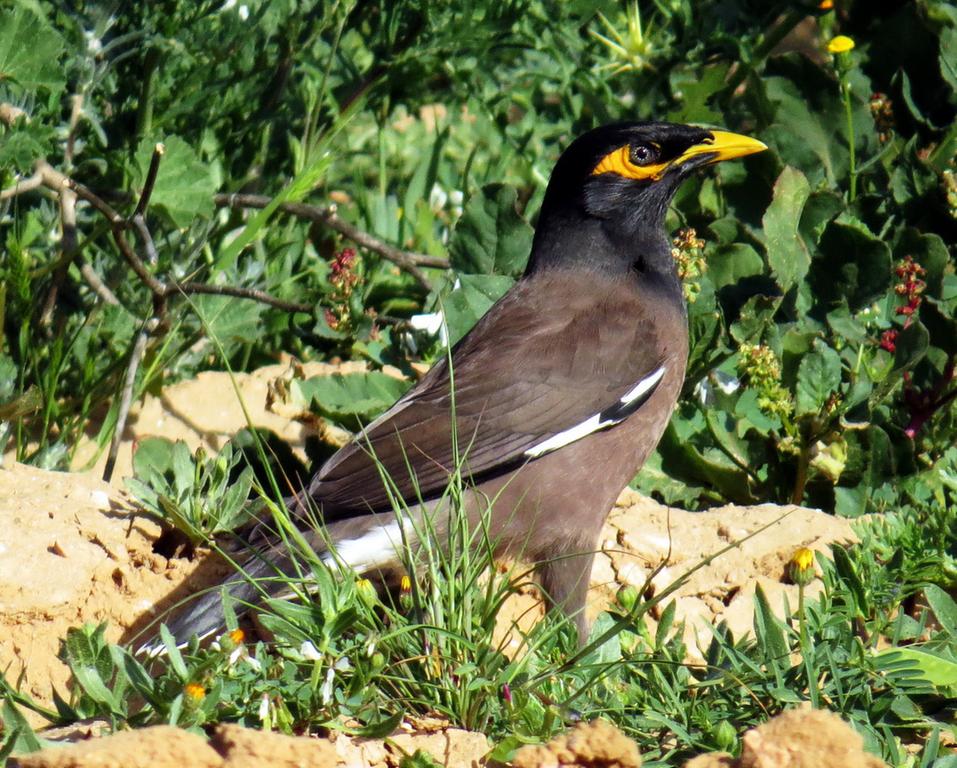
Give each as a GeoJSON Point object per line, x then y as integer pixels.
{"type": "Point", "coordinates": [724, 146]}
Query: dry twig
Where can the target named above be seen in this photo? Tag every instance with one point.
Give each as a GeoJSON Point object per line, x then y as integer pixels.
{"type": "Point", "coordinates": [405, 260]}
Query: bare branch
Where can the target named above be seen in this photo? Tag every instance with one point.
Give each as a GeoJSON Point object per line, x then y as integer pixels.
{"type": "Point", "coordinates": [158, 151]}
{"type": "Point", "coordinates": [126, 397]}
{"type": "Point", "coordinates": [68, 245]}
{"type": "Point", "coordinates": [407, 260]}
{"type": "Point", "coordinates": [139, 223]}
{"type": "Point", "coordinates": [76, 111]}
{"type": "Point", "coordinates": [26, 185]}
{"type": "Point", "coordinates": [241, 293]}
{"type": "Point", "coordinates": [100, 288]}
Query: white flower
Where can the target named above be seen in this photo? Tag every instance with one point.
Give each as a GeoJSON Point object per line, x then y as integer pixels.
{"type": "Point", "coordinates": [325, 691]}
{"type": "Point", "coordinates": [244, 12]}
{"type": "Point", "coordinates": [309, 652]}
{"type": "Point", "coordinates": [437, 198]}
{"type": "Point", "coordinates": [264, 707]}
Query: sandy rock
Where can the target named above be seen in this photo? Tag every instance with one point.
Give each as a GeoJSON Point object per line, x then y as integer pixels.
{"type": "Point", "coordinates": [797, 738]}
{"type": "Point", "coordinates": [597, 744]}
{"type": "Point", "coordinates": [71, 553]}
{"type": "Point", "coordinates": [206, 411]}
{"type": "Point", "coordinates": [447, 746]}
{"type": "Point", "coordinates": [246, 748]}
{"type": "Point", "coordinates": [161, 746]}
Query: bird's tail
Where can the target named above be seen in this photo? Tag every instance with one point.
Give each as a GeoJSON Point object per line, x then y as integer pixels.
{"type": "Point", "coordinates": [263, 575]}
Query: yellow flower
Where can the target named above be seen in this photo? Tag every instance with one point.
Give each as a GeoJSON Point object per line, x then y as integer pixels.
{"type": "Point", "coordinates": [405, 584]}
{"type": "Point", "coordinates": [840, 44]}
{"type": "Point", "coordinates": [194, 692]}
{"type": "Point", "coordinates": [801, 567]}
{"type": "Point", "coordinates": [826, 5]}
{"type": "Point", "coordinates": [237, 636]}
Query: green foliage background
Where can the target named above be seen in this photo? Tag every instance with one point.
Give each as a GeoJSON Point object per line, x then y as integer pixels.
{"type": "Point", "coordinates": [433, 127]}
{"type": "Point", "coordinates": [405, 113]}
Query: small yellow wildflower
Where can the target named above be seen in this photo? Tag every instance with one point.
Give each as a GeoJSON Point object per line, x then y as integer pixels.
{"type": "Point", "coordinates": [366, 590]}
{"type": "Point", "coordinates": [405, 594]}
{"type": "Point", "coordinates": [195, 693]}
{"type": "Point", "coordinates": [801, 567]}
{"type": "Point", "coordinates": [237, 636]}
{"type": "Point", "coordinates": [840, 44]}
{"type": "Point", "coordinates": [826, 5]}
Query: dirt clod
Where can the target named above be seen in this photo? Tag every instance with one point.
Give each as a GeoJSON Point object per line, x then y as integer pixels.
{"type": "Point", "coordinates": [246, 748]}
{"type": "Point", "coordinates": [797, 739]}
{"type": "Point", "coordinates": [597, 744]}
{"type": "Point", "coordinates": [161, 745]}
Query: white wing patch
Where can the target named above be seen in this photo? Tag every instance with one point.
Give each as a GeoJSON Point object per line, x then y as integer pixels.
{"type": "Point", "coordinates": [376, 548]}
{"type": "Point", "coordinates": [617, 413]}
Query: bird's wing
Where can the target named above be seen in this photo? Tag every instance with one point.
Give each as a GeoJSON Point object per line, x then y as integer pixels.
{"type": "Point", "coordinates": [527, 380]}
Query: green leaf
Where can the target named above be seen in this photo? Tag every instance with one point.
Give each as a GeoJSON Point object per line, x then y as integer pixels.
{"type": "Point", "coordinates": [229, 319]}
{"type": "Point", "coordinates": [728, 265]}
{"type": "Point", "coordinates": [17, 729]}
{"type": "Point", "coordinates": [768, 632]}
{"type": "Point", "coordinates": [948, 57]}
{"type": "Point", "coordinates": [944, 608]}
{"type": "Point", "coordinates": [352, 399]}
{"type": "Point", "coordinates": [847, 573]}
{"type": "Point", "coordinates": [491, 238]}
{"type": "Point", "coordinates": [30, 51]}
{"type": "Point", "coordinates": [472, 298]}
{"type": "Point", "coordinates": [853, 264]}
{"type": "Point", "coordinates": [185, 185]}
{"type": "Point", "coordinates": [819, 376]}
{"type": "Point", "coordinates": [911, 346]}
{"type": "Point", "coordinates": [936, 670]}
{"type": "Point", "coordinates": [788, 256]}
{"type": "Point", "coordinates": [821, 208]}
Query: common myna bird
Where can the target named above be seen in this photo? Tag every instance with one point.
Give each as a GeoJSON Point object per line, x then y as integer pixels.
{"type": "Point", "coordinates": [561, 391]}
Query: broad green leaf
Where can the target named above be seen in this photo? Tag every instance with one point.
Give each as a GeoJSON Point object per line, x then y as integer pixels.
{"type": "Point", "coordinates": [821, 208]}
{"type": "Point", "coordinates": [229, 319]}
{"type": "Point", "coordinates": [30, 51]}
{"type": "Point", "coordinates": [768, 632]}
{"type": "Point", "coordinates": [911, 343]}
{"type": "Point", "coordinates": [24, 739]}
{"type": "Point", "coordinates": [694, 93]}
{"type": "Point", "coordinates": [729, 264]}
{"type": "Point", "coordinates": [944, 608]}
{"type": "Point", "coordinates": [674, 491]}
{"type": "Point", "coordinates": [936, 670]}
{"type": "Point", "coordinates": [788, 256]}
{"type": "Point", "coordinates": [948, 59]}
{"type": "Point", "coordinates": [853, 264]}
{"type": "Point", "coordinates": [23, 144]}
{"type": "Point", "coordinates": [750, 415]}
{"type": "Point", "coordinates": [491, 238]}
{"type": "Point", "coordinates": [471, 299]}
{"type": "Point", "coordinates": [819, 376]}
{"type": "Point", "coordinates": [184, 185]}
{"type": "Point", "coordinates": [352, 399]}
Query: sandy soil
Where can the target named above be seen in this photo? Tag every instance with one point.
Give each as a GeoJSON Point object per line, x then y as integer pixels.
{"type": "Point", "coordinates": [794, 739]}
{"type": "Point", "coordinates": [73, 551]}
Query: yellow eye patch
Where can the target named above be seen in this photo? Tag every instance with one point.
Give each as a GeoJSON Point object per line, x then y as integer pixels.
{"type": "Point", "coordinates": [619, 161]}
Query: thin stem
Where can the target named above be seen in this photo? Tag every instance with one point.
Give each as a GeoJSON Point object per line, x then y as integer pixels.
{"type": "Point", "coordinates": [126, 398]}
{"type": "Point", "coordinates": [406, 260]}
{"type": "Point", "coordinates": [158, 151]}
{"type": "Point", "coordinates": [851, 143]}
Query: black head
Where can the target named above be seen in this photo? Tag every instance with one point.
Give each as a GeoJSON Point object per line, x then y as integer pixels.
{"type": "Point", "coordinates": [606, 200]}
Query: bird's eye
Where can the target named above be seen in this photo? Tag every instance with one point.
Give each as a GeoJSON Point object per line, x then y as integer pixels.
{"type": "Point", "coordinates": [643, 154]}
